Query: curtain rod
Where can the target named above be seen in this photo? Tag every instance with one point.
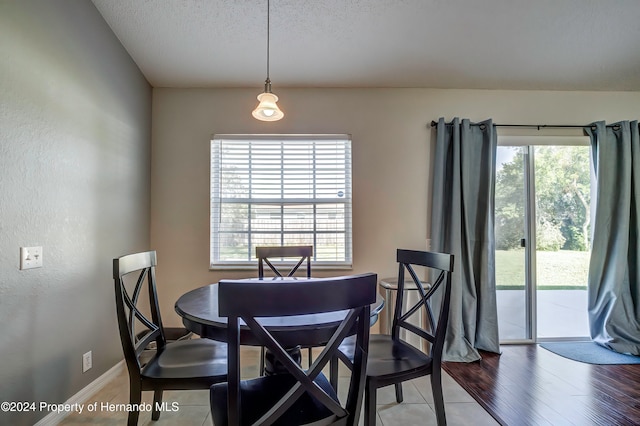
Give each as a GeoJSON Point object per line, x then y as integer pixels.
{"type": "Point", "coordinates": [533, 126]}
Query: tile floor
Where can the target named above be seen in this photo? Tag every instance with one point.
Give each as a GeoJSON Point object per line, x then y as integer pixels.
{"type": "Point", "coordinates": [192, 407]}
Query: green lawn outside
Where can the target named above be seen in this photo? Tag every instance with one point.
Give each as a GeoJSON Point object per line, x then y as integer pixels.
{"type": "Point", "coordinates": [563, 269]}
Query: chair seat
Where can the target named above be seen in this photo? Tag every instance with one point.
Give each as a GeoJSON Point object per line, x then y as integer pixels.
{"type": "Point", "coordinates": [389, 359]}
{"type": "Point", "coordinates": [262, 393]}
{"type": "Point", "coordinates": [195, 358]}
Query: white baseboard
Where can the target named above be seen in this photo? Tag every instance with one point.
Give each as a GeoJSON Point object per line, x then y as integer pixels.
{"type": "Point", "coordinates": [85, 393]}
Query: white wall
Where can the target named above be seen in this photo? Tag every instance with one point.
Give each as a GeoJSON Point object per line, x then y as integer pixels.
{"type": "Point", "coordinates": [75, 143]}
{"type": "Point", "coordinates": [391, 160]}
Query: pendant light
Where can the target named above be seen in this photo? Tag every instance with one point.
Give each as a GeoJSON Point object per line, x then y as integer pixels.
{"type": "Point", "coordinates": [267, 109]}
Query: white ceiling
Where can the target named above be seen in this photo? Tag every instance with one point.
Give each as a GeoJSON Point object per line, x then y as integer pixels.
{"type": "Point", "coordinates": [467, 44]}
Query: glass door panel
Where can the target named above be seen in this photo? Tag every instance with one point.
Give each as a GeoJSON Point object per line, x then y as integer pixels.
{"type": "Point", "coordinates": [562, 185]}
{"type": "Point", "coordinates": [510, 232]}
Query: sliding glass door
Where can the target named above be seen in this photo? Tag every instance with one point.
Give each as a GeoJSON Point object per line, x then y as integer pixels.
{"type": "Point", "coordinates": [513, 278]}
{"type": "Point", "coordinates": [543, 216]}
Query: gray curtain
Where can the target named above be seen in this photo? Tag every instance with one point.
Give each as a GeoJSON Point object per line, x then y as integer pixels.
{"type": "Point", "coordinates": [462, 223]}
{"type": "Point", "coordinates": [614, 277]}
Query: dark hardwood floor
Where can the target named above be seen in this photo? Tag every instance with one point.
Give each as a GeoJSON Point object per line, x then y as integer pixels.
{"type": "Point", "coordinates": [528, 385]}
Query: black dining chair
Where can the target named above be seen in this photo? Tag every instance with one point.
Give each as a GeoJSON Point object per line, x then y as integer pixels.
{"type": "Point", "coordinates": [265, 255]}
{"type": "Point", "coordinates": [180, 365]}
{"type": "Point", "coordinates": [391, 359]}
{"type": "Point", "coordinates": [296, 396]}
{"type": "Point", "coordinates": [302, 254]}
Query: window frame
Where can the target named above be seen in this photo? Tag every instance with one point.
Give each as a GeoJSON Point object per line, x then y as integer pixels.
{"type": "Point", "coordinates": [251, 263]}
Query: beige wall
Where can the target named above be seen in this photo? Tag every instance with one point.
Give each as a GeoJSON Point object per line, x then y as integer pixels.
{"type": "Point", "coordinates": [391, 160]}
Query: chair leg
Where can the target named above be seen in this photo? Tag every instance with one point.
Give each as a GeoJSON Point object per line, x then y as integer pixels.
{"type": "Point", "coordinates": [157, 402]}
{"type": "Point", "coordinates": [262, 354]}
{"type": "Point", "coordinates": [310, 358]}
{"type": "Point", "coordinates": [333, 372]}
{"type": "Point", "coordinates": [135, 397]}
{"type": "Point", "coordinates": [438, 398]}
{"type": "Point", "coordinates": [370, 405]}
{"type": "Point", "coordinates": [399, 397]}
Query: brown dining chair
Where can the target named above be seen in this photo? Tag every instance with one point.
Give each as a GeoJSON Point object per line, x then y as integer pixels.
{"type": "Point", "coordinates": [391, 359]}
{"type": "Point", "coordinates": [295, 396]}
{"type": "Point", "coordinates": [267, 254]}
{"type": "Point", "coordinates": [180, 365]}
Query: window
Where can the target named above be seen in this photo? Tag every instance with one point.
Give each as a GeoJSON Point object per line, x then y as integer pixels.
{"type": "Point", "coordinates": [280, 190]}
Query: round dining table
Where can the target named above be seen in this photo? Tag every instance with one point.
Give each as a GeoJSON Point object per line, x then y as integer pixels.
{"type": "Point", "coordinates": [199, 311]}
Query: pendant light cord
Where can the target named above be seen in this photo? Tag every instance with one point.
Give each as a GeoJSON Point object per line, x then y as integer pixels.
{"type": "Point", "coordinates": [268, 7]}
{"type": "Point", "coordinates": [267, 109]}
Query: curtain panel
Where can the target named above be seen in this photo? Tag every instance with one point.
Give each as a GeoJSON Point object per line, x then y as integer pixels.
{"type": "Point", "coordinates": [462, 223]}
{"type": "Point", "coordinates": [614, 277]}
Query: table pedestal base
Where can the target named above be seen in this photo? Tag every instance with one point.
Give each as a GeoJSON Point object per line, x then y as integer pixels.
{"type": "Point", "coordinates": [272, 366]}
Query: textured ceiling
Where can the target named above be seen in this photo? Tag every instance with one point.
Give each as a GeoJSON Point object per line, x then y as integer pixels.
{"type": "Point", "coordinates": [489, 44]}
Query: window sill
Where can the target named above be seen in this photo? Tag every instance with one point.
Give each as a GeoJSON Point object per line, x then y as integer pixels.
{"type": "Point", "coordinates": [254, 267]}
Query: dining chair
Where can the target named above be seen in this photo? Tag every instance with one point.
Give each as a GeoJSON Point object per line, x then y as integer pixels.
{"type": "Point", "coordinates": [295, 397]}
{"type": "Point", "coordinates": [180, 365]}
{"type": "Point", "coordinates": [392, 360]}
{"type": "Point", "coordinates": [301, 254]}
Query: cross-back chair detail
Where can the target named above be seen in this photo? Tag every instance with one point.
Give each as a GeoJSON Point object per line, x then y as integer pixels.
{"type": "Point", "coordinates": [265, 253]}
{"type": "Point", "coordinates": [297, 396]}
{"type": "Point", "coordinates": [153, 330]}
{"type": "Point", "coordinates": [165, 369]}
{"type": "Point", "coordinates": [405, 260]}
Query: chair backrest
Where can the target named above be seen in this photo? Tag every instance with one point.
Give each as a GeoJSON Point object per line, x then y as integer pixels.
{"type": "Point", "coordinates": [139, 319]}
{"type": "Point", "coordinates": [250, 300]}
{"type": "Point", "coordinates": [301, 253]}
{"type": "Point", "coordinates": [439, 267]}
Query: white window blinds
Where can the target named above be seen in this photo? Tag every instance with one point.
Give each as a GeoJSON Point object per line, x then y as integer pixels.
{"type": "Point", "coordinates": [280, 190]}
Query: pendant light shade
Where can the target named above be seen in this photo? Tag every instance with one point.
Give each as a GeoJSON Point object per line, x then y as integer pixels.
{"type": "Point", "coordinates": [267, 109]}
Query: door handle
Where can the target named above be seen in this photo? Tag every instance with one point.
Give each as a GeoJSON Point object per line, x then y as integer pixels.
{"type": "Point", "coordinates": [523, 242]}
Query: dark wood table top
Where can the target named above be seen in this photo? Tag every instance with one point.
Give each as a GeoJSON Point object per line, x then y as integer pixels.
{"type": "Point", "coordinates": [199, 311]}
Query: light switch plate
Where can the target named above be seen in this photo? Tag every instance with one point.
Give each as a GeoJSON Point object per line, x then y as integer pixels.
{"type": "Point", "coordinates": [30, 257]}
{"type": "Point", "coordinates": [87, 361]}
